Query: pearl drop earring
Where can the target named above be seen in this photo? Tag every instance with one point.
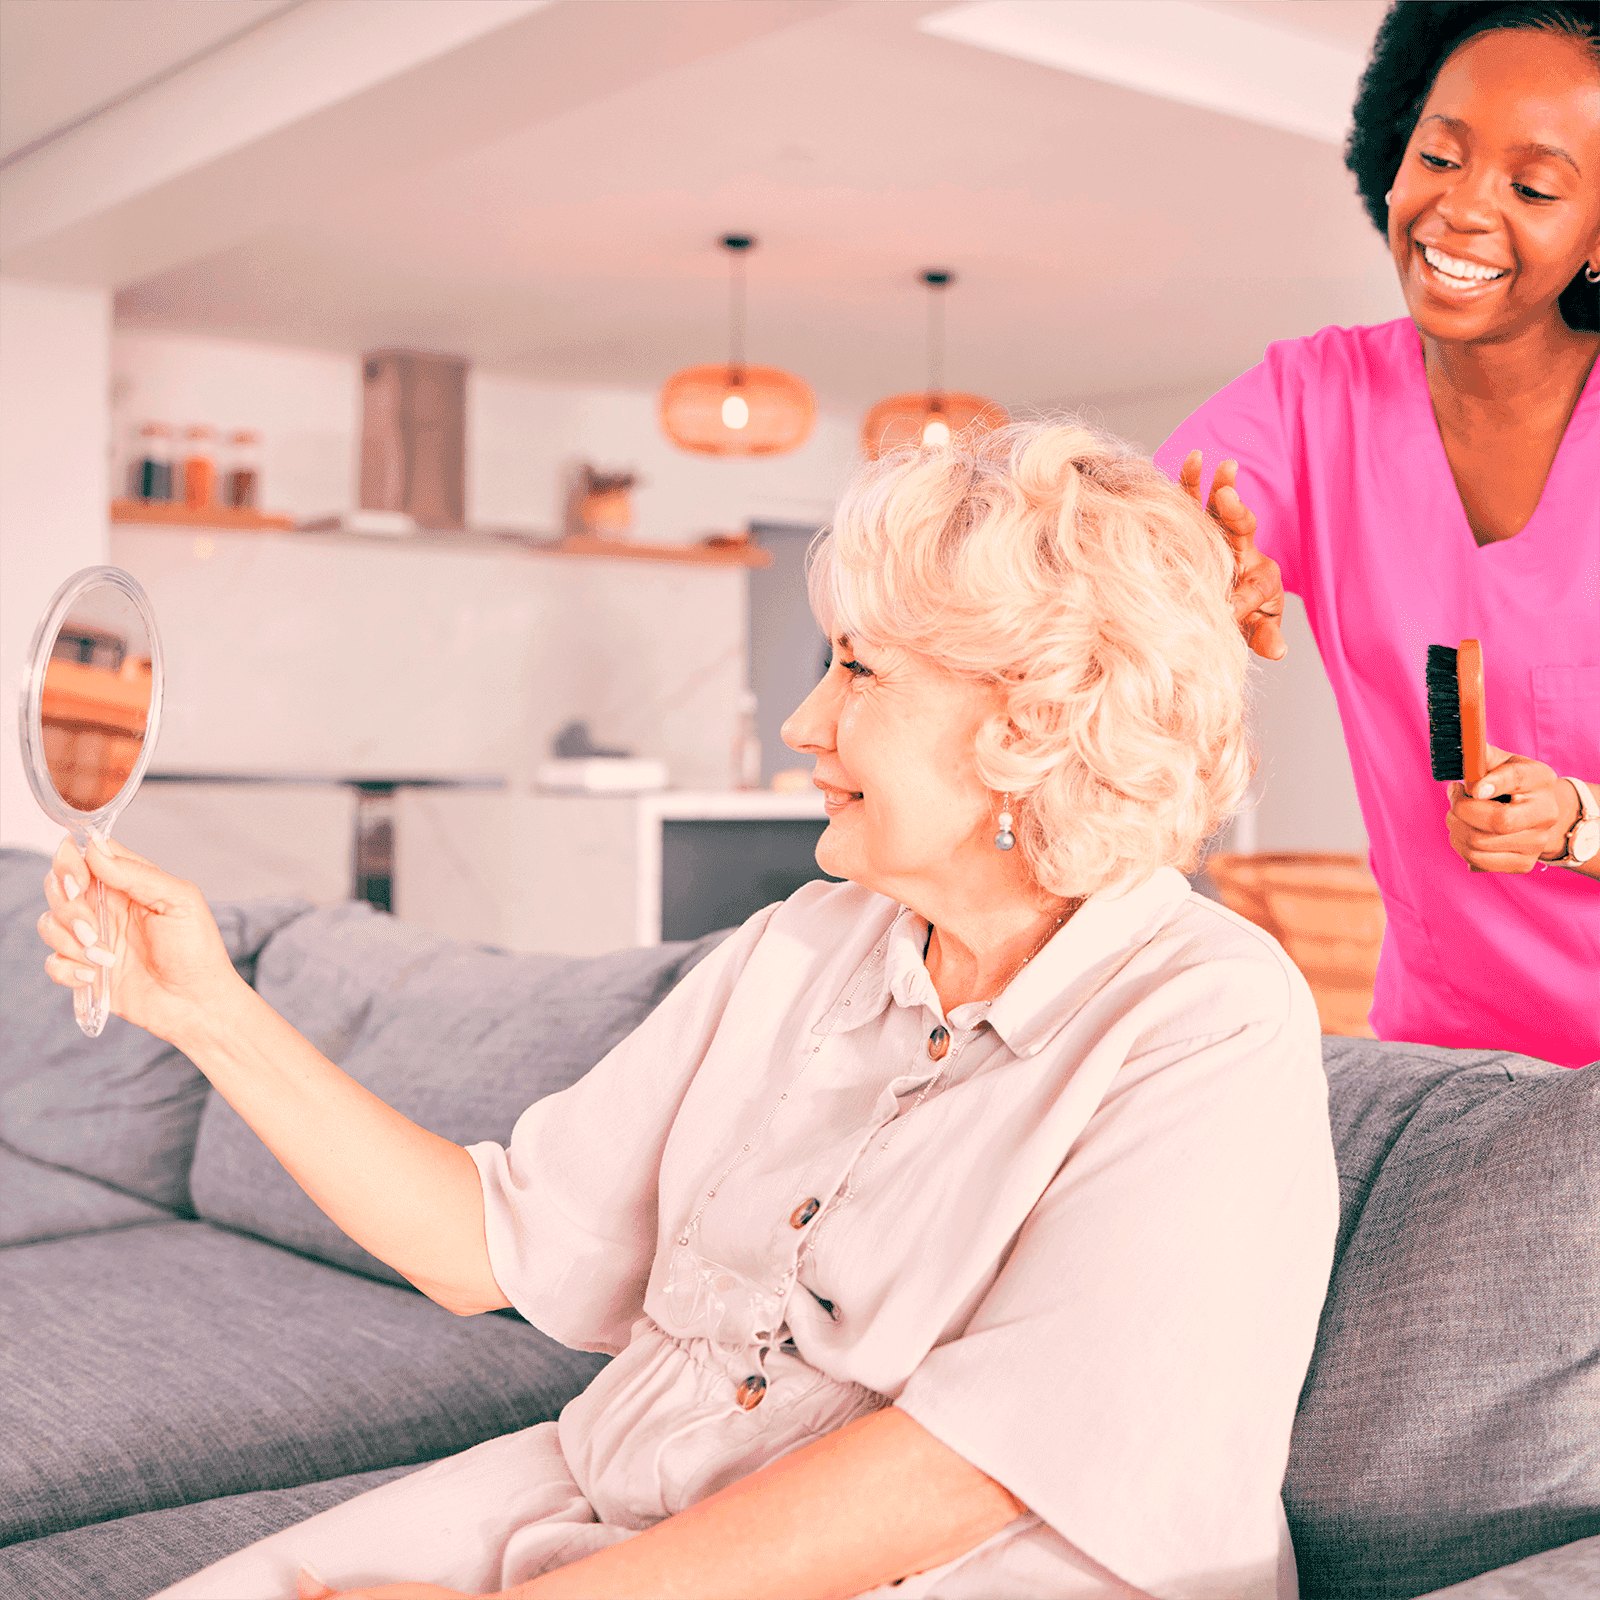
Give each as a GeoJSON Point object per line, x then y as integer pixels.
{"type": "Point", "coordinates": [1005, 838]}
{"type": "Point", "coordinates": [1388, 199]}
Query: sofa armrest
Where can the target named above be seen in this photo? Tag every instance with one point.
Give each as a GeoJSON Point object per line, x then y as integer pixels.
{"type": "Point", "coordinates": [1569, 1572]}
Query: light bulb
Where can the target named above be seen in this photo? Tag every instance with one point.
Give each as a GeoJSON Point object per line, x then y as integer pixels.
{"type": "Point", "coordinates": [935, 431]}
{"type": "Point", "coordinates": [735, 412]}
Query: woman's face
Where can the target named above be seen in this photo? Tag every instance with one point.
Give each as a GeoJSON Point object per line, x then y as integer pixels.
{"type": "Point", "coordinates": [1497, 201]}
{"type": "Point", "coordinates": [893, 736]}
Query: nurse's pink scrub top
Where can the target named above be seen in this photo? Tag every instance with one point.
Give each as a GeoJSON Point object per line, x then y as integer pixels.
{"type": "Point", "coordinates": [1341, 461]}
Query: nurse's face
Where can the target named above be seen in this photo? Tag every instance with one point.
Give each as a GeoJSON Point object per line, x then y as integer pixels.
{"type": "Point", "coordinates": [1496, 205]}
{"type": "Point", "coordinates": [893, 735]}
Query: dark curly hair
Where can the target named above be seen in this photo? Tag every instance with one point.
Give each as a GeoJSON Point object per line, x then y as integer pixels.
{"type": "Point", "coordinates": [1412, 44]}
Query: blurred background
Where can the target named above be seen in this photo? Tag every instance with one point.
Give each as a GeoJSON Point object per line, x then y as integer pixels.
{"type": "Point", "coordinates": [347, 327]}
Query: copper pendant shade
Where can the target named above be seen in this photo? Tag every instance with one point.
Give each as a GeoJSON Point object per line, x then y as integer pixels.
{"type": "Point", "coordinates": [730, 408]}
{"type": "Point", "coordinates": [933, 415]}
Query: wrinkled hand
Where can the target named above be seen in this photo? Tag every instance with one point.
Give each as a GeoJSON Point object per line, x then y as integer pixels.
{"type": "Point", "coordinates": [168, 962]}
{"type": "Point", "coordinates": [1258, 584]}
{"type": "Point", "coordinates": [1494, 837]}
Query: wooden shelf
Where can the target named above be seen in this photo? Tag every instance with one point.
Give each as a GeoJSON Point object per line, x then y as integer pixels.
{"type": "Point", "coordinates": [173, 515]}
{"type": "Point", "coordinates": [164, 513]}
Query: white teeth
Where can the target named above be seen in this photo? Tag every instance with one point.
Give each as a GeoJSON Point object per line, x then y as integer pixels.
{"type": "Point", "coordinates": [1469, 271]}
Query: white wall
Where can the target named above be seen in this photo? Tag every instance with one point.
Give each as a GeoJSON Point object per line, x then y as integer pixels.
{"type": "Point", "coordinates": [54, 371]}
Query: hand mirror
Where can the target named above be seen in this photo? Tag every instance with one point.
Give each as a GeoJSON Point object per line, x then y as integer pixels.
{"type": "Point", "coordinates": [90, 709]}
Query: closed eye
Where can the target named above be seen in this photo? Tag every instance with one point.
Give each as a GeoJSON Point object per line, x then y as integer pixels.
{"type": "Point", "coordinates": [856, 670]}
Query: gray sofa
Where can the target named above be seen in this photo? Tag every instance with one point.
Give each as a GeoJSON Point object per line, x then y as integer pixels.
{"type": "Point", "coordinates": [195, 1357]}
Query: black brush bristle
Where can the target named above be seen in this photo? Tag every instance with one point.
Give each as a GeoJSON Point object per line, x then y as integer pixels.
{"type": "Point", "coordinates": [1444, 713]}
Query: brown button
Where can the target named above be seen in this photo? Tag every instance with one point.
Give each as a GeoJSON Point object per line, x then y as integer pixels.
{"type": "Point", "coordinates": [939, 1043]}
{"type": "Point", "coordinates": [751, 1392]}
{"type": "Point", "coordinates": [804, 1212]}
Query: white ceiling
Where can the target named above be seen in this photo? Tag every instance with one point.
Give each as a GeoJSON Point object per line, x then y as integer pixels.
{"type": "Point", "coordinates": [1107, 242]}
{"type": "Point", "coordinates": [63, 60]}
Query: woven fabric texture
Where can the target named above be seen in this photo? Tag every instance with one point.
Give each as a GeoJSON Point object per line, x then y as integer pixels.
{"type": "Point", "coordinates": [131, 1558]}
{"type": "Point", "coordinates": [125, 1107]}
{"type": "Point", "coordinates": [178, 1362]}
{"type": "Point", "coordinates": [1450, 1423]}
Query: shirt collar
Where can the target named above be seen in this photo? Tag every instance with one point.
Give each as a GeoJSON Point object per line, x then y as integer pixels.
{"type": "Point", "coordinates": [1096, 942]}
{"type": "Point", "coordinates": [1093, 944]}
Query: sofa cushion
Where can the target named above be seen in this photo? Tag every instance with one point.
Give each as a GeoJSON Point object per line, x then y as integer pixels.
{"type": "Point", "coordinates": [123, 1108]}
{"type": "Point", "coordinates": [1450, 1422]}
{"type": "Point", "coordinates": [40, 1202]}
{"type": "Point", "coordinates": [132, 1557]}
{"type": "Point", "coordinates": [1569, 1572]}
{"type": "Point", "coordinates": [179, 1362]}
{"type": "Point", "coordinates": [460, 1038]}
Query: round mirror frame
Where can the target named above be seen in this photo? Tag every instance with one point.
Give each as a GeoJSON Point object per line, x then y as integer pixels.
{"type": "Point", "coordinates": [30, 701]}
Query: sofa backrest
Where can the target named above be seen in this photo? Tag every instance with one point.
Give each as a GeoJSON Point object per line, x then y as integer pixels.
{"type": "Point", "coordinates": [460, 1039]}
{"type": "Point", "coordinates": [123, 1108]}
{"type": "Point", "coordinates": [1450, 1422]}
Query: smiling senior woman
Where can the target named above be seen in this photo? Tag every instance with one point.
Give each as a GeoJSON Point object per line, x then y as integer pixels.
{"type": "Point", "coordinates": [966, 1223]}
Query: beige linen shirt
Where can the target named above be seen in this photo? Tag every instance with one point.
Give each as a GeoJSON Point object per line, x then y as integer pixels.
{"type": "Point", "coordinates": [1084, 1240]}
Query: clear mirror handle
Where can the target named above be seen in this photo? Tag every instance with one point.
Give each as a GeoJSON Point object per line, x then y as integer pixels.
{"type": "Point", "coordinates": [91, 1003]}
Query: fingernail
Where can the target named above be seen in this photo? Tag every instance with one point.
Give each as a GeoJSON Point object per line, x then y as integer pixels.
{"type": "Point", "coordinates": [85, 932]}
{"type": "Point", "coordinates": [69, 887]}
{"type": "Point", "coordinates": [84, 974]}
{"type": "Point", "coordinates": [101, 957]}
{"type": "Point", "coordinates": [309, 1576]}
{"type": "Point", "coordinates": [1484, 789]}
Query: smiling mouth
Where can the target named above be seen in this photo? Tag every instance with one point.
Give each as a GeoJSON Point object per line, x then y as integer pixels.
{"type": "Point", "coordinates": [835, 800]}
{"type": "Point", "coordinates": [1455, 273]}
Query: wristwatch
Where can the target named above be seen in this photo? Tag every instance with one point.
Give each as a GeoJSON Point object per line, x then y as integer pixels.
{"type": "Point", "coordinates": [1583, 839]}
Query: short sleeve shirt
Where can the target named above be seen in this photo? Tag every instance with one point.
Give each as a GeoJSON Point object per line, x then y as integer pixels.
{"type": "Point", "coordinates": [1340, 459]}
{"type": "Point", "coordinates": [1081, 1233]}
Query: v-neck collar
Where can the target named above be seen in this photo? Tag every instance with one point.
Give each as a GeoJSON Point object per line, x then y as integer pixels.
{"type": "Point", "coordinates": [1533, 528]}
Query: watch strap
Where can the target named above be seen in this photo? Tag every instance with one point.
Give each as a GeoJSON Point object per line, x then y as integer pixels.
{"type": "Point", "coordinates": [1588, 816]}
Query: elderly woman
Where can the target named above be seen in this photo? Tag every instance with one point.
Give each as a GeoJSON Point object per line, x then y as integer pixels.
{"type": "Point", "coordinates": [961, 1227]}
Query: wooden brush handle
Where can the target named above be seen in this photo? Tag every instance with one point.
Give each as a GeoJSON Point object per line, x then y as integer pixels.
{"type": "Point", "coordinates": [1474, 728]}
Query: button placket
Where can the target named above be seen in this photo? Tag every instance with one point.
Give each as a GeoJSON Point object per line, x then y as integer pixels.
{"type": "Point", "coordinates": [750, 1392]}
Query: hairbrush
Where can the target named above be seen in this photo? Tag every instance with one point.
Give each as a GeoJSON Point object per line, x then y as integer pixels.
{"type": "Point", "coordinates": [1458, 739]}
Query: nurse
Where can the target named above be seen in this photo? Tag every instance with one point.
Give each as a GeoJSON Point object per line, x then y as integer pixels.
{"type": "Point", "coordinates": [1438, 478]}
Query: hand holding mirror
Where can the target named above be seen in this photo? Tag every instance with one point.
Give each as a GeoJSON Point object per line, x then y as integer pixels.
{"type": "Point", "coordinates": [90, 710]}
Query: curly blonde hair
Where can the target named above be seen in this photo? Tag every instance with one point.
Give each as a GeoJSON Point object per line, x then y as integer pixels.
{"type": "Point", "coordinates": [1050, 560]}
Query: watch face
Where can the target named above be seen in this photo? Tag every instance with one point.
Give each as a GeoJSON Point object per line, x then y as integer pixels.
{"type": "Point", "coordinates": [1585, 841]}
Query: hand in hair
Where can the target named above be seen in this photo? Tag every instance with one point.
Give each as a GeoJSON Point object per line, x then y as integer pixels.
{"type": "Point", "coordinates": [1257, 585]}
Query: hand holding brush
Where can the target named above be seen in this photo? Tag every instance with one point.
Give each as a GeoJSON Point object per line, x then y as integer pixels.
{"type": "Point", "coordinates": [1508, 813]}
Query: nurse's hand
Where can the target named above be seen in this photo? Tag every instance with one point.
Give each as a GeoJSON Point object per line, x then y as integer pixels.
{"type": "Point", "coordinates": [1494, 836]}
{"type": "Point", "coordinates": [168, 962]}
{"type": "Point", "coordinates": [1258, 584]}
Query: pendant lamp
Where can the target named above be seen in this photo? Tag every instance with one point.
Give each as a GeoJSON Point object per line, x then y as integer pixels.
{"type": "Point", "coordinates": [929, 418]}
{"type": "Point", "coordinates": [731, 409]}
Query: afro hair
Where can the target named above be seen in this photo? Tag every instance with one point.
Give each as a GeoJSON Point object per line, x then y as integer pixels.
{"type": "Point", "coordinates": [1412, 44]}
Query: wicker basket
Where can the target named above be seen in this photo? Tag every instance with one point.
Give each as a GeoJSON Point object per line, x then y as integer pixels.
{"type": "Point", "coordinates": [1325, 910]}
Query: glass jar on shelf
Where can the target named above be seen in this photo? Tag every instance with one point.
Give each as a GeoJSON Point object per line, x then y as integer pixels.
{"type": "Point", "coordinates": [241, 484]}
{"type": "Point", "coordinates": [150, 471]}
{"type": "Point", "coordinates": [199, 467]}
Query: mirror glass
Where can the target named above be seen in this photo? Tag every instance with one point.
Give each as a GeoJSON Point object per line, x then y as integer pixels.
{"type": "Point", "coordinates": [90, 711]}
{"type": "Point", "coordinates": [94, 706]}
{"type": "Point", "coordinates": [93, 699]}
